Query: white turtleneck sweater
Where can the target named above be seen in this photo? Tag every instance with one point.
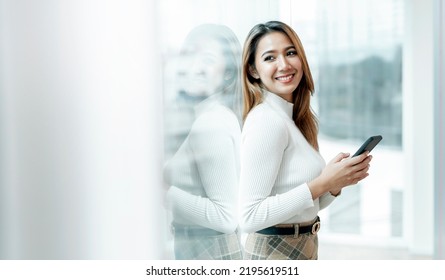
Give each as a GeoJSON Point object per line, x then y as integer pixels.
{"type": "Point", "coordinates": [203, 174]}
{"type": "Point", "coordinates": [276, 164]}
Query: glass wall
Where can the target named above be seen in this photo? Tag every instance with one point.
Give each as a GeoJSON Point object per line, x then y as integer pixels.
{"type": "Point", "coordinates": [360, 95]}
{"type": "Point", "coordinates": [360, 49]}
{"type": "Point", "coordinates": [355, 50]}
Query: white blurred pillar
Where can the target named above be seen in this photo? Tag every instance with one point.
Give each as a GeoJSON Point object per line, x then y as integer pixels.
{"type": "Point", "coordinates": [80, 146]}
{"type": "Point", "coordinates": [418, 130]}
{"type": "Point", "coordinates": [439, 13]}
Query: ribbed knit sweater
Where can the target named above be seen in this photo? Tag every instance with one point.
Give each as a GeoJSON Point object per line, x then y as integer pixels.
{"type": "Point", "coordinates": [203, 174]}
{"type": "Point", "coordinates": [276, 164]}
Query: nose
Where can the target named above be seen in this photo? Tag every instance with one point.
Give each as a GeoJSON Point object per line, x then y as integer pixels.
{"type": "Point", "coordinates": [283, 64]}
{"type": "Point", "coordinates": [196, 66]}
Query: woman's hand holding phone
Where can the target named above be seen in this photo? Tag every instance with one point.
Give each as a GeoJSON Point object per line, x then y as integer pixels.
{"type": "Point", "coordinates": [343, 171]}
{"type": "Point", "coordinates": [340, 172]}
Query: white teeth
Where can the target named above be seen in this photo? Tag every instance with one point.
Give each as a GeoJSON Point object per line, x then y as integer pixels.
{"type": "Point", "coordinates": [285, 78]}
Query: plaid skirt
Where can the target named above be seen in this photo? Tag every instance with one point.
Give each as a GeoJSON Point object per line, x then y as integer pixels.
{"type": "Point", "coordinates": [281, 247]}
{"type": "Point", "coordinates": [216, 247]}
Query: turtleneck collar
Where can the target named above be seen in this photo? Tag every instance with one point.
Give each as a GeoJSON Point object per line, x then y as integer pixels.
{"type": "Point", "coordinates": [208, 104]}
{"type": "Point", "coordinates": [279, 103]}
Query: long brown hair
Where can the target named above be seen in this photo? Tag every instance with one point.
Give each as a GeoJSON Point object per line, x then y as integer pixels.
{"type": "Point", "coordinates": [303, 115]}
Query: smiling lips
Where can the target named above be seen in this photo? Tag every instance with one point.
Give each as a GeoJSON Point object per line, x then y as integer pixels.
{"type": "Point", "coordinates": [286, 78]}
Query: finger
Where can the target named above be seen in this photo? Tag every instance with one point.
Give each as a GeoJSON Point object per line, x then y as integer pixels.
{"type": "Point", "coordinates": [361, 166]}
{"type": "Point", "coordinates": [339, 157]}
{"type": "Point", "coordinates": [358, 179]}
{"type": "Point", "coordinates": [361, 175]}
{"type": "Point", "coordinates": [358, 159]}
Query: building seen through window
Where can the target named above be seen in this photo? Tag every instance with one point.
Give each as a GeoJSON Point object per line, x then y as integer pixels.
{"type": "Point", "coordinates": [360, 68]}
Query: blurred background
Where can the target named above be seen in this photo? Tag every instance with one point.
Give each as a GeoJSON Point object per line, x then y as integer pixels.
{"type": "Point", "coordinates": [83, 85]}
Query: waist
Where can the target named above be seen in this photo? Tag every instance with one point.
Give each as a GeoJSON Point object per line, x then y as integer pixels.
{"type": "Point", "coordinates": [192, 230]}
{"type": "Point", "coordinates": [293, 229]}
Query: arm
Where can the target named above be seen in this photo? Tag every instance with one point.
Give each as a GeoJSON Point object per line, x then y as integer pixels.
{"type": "Point", "coordinates": [215, 145]}
{"type": "Point", "coordinates": [265, 138]}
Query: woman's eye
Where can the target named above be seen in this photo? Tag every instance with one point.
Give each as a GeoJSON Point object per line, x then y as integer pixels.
{"type": "Point", "coordinates": [268, 58]}
{"type": "Point", "coordinates": [291, 53]}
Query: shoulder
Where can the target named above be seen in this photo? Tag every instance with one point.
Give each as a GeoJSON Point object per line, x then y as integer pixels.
{"type": "Point", "coordinates": [264, 117]}
{"type": "Point", "coordinates": [219, 123]}
{"type": "Point", "coordinates": [218, 118]}
{"type": "Point", "coordinates": [266, 127]}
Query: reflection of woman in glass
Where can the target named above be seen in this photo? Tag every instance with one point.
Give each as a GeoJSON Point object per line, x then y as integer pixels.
{"type": "Point", "coordinates": [202, 176]}
{"type": "Point", "coordinates": [284, 181]}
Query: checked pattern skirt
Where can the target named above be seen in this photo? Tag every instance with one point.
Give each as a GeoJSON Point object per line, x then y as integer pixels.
{"type": "Point", "coordinates": [281, 247]}
{"type": "Point", "coordinates": [217, 247]}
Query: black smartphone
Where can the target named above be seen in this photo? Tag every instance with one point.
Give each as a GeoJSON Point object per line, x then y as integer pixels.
{"type": "Point", "coordinates": [369, 144]}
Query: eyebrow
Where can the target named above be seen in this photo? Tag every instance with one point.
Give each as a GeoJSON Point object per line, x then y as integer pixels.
{"type": "Point", "coordinates": [274, 51]}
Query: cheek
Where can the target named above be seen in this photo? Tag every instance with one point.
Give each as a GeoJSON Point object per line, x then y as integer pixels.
{"type": "Point", "coordinates": [265, 71]}
{"type": "Point", "coordinates": [298, 66]}
{"type": "Point", "coordinates": [218, 71]}
{"type": "Point", "coordinates": [215, 77]}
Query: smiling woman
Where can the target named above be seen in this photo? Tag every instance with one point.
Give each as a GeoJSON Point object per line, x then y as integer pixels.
{"type": "Point", "coordinates": [284, 180]}
{"type": "Point", "coordinates": [279, 67]}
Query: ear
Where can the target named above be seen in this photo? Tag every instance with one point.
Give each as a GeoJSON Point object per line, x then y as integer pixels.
{"type": "Point", "coordinates": [253, 72]}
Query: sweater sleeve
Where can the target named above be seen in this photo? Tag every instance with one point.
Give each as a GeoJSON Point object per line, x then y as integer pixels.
{"type": "Point", "coordinates": [215, 149]}
{"type": "Point", "coordinates": [264, 141]}
{"type": "Point", "coordinates": [326, 200]}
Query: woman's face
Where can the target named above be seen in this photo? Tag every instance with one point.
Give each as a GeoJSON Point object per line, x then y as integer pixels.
{"type": "Point", "coordinates": [202, 68]}
{"type": "Point", "coordinates": [277, 65]}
